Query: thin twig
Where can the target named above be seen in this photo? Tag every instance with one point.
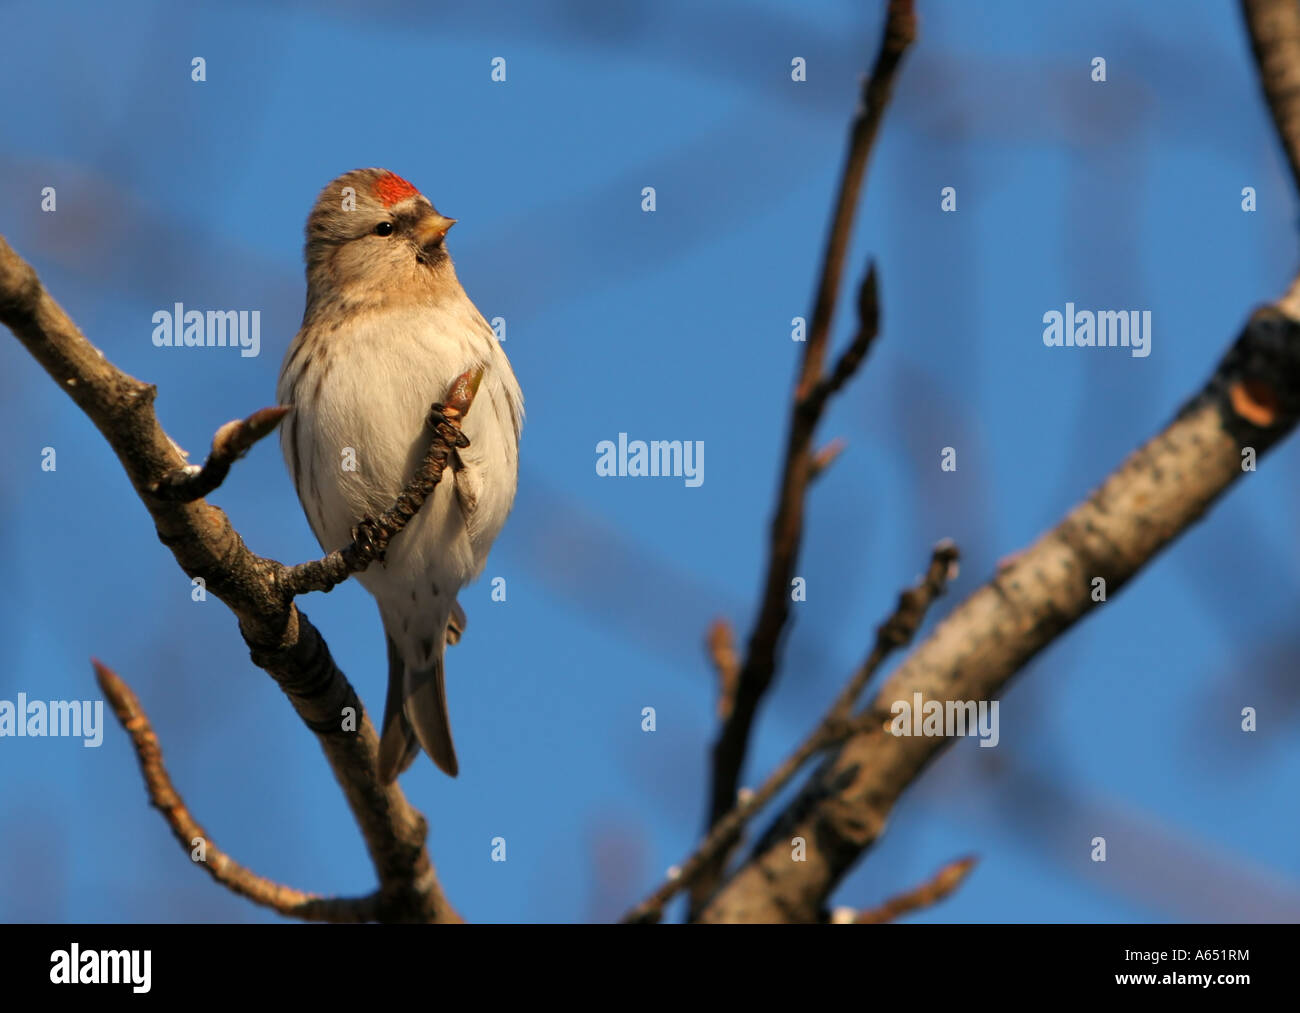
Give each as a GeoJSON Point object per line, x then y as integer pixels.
{"type": "Point", "coordinates": [220, 866]}
{"type": "Point", "coordinates": [929, 893]}
{"type": "Point", "coordinates": [810, 397]}
{"type": "Point", "coordinates": [837, 724]}
{"type": "Point", "coordinates": [233, 441]}
{"type": "Point", "coordinates": [371, 537]}
{"type": "Point", "coordinates": [901, 626]}
{"type": "Point", "coordinates": [825, 457]}
{"type": "Point", "coordinates": [851, 359]}
{"type": "Point", "coordinates": [722, 649]}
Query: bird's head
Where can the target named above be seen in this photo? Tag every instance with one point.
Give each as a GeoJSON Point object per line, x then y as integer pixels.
{"type": "Point", "coordinates": [370, 233]}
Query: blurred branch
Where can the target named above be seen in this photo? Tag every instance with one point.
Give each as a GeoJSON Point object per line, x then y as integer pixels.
{"type": "Point", "coordinates": [837, 724]}
{"type": "Point", "coordinates": [825, 457]}
{"type": "Point", "coordinates": [812, 391]}
{"type": "Point", "coordinates": [281, 639]}
{"type": "Point", "coordinates": [220, 866]}
{"type": "Point", "coordinates": [1274, 28]}
{"type": "Point", "coordinates": [722, 649]}
{"type": "Point", "coordinates": [1252, 400]}
{"type": "Point", "coordinates": [945, 881]}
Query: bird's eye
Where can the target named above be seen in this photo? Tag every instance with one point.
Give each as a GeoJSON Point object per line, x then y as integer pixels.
{"type": "Point", "coordinates": [384, 229]}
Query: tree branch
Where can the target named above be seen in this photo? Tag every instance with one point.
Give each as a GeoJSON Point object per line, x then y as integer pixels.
{"type": "Point", "coordinates": [233, 441]}
{"type": "Point", "coordinates": [929, 893]}
{"type": "Point", "coordinates": [220, 866]}
{"type": "Point", "coordinates": [811, 393]}
{"type": "Point", "coordinates": [896, 631]}
{"type": "Point", "coordinates": [1252, 400]}
{"type": "Point", "coordinates": [371, 537]}
{"type": "Point", "coordinates": [722, 650]}
{"type": "Point", "coordinates": [281, 639]}
{"type": "Point", "coordinates": [1274, 27]}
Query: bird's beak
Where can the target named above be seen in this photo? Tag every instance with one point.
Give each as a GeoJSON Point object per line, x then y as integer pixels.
{"type": "Point", "coordinates": [431, 229]}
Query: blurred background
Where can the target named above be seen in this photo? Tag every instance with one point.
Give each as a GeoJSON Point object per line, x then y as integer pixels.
{"type": "Point", "coordinates": [666, 325]}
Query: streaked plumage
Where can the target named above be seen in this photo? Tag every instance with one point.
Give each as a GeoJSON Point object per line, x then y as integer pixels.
{"type": "Point", "coordinates": [387, 330]}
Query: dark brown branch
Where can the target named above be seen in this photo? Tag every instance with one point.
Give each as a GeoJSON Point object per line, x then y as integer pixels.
{"type": "Point", "coordinates": [902, 624]}
{"type": "Point", "coordinates": [371, 537]}
{"type": "Point", "coordinates": [187, 830]}
{"type": "Point", "coordinates": [838, 723]}
{"type": "Point", "coordinates": [810, 398]}
{"type": "Point", "coordinates": [233, 441]}
{"type": "Point", "coordinates": [1274, 27]}
{"type": "Point", "coordinates": [280, 638]}
{"type": "Point", "coordinates": [851, 359]}
{"type": "Point", "coordinates": [944, 883]}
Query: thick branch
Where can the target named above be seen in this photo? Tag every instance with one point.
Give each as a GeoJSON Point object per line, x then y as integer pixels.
{"type": "Point", "coordinates": [280, 638]}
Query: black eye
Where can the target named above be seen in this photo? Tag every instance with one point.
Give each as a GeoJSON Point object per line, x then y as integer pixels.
{"type": "Point", "coordinates": [384, 229]}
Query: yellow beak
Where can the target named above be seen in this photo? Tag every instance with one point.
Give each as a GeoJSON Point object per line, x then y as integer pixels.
{"type": "Point", "coordinates": [431, 229]}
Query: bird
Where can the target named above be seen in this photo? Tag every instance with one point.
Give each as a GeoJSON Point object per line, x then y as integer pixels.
{"type": "Point", "coordinates": [386, 331]}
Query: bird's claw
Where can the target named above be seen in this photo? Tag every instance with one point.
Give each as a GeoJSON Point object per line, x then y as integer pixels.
{"type": "Point", "coordinates": [364, 537]}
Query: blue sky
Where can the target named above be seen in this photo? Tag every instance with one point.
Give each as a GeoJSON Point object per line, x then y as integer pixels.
{"type": "Point", "coordinates": [671, 325]}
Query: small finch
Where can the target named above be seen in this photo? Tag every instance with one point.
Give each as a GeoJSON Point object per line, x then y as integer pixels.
{"type": "Point", "coordinates": [387, 331]}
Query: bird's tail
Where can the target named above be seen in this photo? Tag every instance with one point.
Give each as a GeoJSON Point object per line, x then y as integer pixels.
{"type": "Point", "coordinates": [415, 715]}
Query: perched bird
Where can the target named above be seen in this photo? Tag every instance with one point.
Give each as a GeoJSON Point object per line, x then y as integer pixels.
{"type": "Point", "coordinates": [387, 331]}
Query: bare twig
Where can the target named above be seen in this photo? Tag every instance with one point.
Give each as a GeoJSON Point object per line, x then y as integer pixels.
{"type": "Point", "coordinates": [760, 663]}
{"type": "Point", "coordinates": [902, 624]}
{"type": "Point", "coordinates": [233, 441]}
{"type": "Point", "coordinates": [838, 723]}
{"type": "Point", "coordinates": [722, 649]}
{"type": "Point", "coordinates": [371, 537]}
{"type": "Point", "coordinates": [280, 638]}
{"type": "Point", "coordinates": [851, 359]}
{"type": "Point", "coordinates": [825, 457]}
{"type": "Point", "coordinates": [944, 883]}
{"type": "Point", "coordinates": [811, 392]}
{"type": "Point", "coordinates": [220, 866]}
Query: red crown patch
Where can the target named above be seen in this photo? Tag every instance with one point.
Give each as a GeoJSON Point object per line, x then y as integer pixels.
{"type": "Point", "coordinates": [391, 188]}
